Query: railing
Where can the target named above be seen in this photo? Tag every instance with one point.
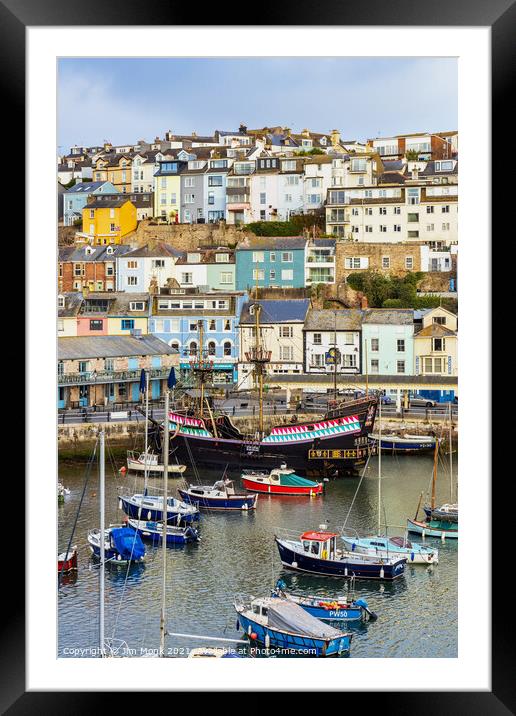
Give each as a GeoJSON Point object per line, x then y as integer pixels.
{"type": "Point", "coordinates": [115, 376]}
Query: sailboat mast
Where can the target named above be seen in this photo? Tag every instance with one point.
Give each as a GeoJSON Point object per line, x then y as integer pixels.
{"type": "Point", "coordinates": [259, 368]}
{"type": "Point", "coordinates": [201, 358]}
{"type": "Point", "coordinates": [451, 456]}
{"type": "Point", "coordinates": [366, 369]}
{"type": "Point", "coordinates": [434, 477]}
{"type": "Point", "coordinates": [102, 541]}
{"type": "Point", "coordinates": [379, 464]}
{"type": "Point", "coordinates": [145, 473]}
{"type": "Point", "coordinates": [162, 626]}
{"type": "Point", "coordinates": [335, 357]}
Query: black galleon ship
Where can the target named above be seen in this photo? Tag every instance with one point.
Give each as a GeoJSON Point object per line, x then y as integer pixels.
{"type": "Point", "coordinates": [334, 444]}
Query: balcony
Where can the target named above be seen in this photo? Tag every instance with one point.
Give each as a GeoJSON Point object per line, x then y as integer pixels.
{"type": "Point", "coordinates": [110, 376]}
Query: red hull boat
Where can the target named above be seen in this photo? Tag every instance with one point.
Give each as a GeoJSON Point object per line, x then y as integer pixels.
{"type": "Point", "coordinates": [280, 482]}
{"type": "Point", "coordinates": [66, 562]}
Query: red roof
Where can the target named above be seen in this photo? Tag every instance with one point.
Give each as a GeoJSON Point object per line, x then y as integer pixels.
{"type": "Point", "coordinates": [319, 536]}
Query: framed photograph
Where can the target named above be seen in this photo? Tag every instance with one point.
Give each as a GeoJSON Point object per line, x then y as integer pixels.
{"type": "Point", "coordinates": [272, 262]}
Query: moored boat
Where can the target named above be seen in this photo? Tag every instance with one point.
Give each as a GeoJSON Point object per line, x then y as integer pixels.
{"type": "Point", "coordinates": [317, 552]}
{"type": "Point", "coordinates": [445, 513]}
{"type": "Point", "coordinates": [138, 462]}
{"type": "Point", "coordinates": [220, 496]}
{"type": "Point", "coordinates": [434, 528]}
{"type": "Point", "coordinates": [150, 507]}
{"type": "Point", "coordinates": [340, 608]}
{"type": "Point", "coordinates": [280, 481]}
{"type": "Point", "coordinates": [153, 532]}
{"type": "Point", "coordinates": [391, 547]}
{"type": "Point", "coordinates": [121, 544]}
{"type": "Point", "coordinates": [67, 561]}
{"type": "Point", "coordinates": [404, 443]}
{"type": "Point", "coordinates": [281, 624]}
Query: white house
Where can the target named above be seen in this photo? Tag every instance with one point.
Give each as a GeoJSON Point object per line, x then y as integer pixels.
{"type": "Point", "coordinates": [332, 339]}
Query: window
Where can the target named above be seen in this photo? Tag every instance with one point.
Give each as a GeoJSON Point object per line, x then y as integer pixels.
{"type": "Point", "coordinates": [413, 218]}
{"type": "Point", "coordinates": [287, 257]}
{"type": "Point", "coordinates": [112, 227]}
{"type": "Point", "coordinates": [60, 325]}
{"type": "Point", "coordinates": [349, 360]}
{"type": "Point", "coordinates": [445, 209]}
{"type": "Point", "coordinates": [287, 353]}
{"type": "Point", "coordinates": [383, 228]}
{"type": "Point", "coordinates": [400, 366]}
{"type": "Point", "coordinates": [189, 199]}
{"type": "Point", "coordinates": [263, 198]}
{"type": "Point", "coordinates": [286, 331]}
{"type": "Point", "coordinates": [60, 302]}
{"type": "Point", "coordinates": [263, 215]}
{"type": "Point", "coordinates": [288, 166]}
{"type": "Point", "coordinates": [397, 210]}
{"type": "Point", "coordinates": [158, 263]}
{"type": "Point", "coordinates": [438, 344]}
{"type": "Point", "coordinates": [440, 320]}
{"type": "Point", "coordinates": [429, 227]}
{"type": "Point", "coordinates": [226, 277]}
{"type": "Point", "coordinates": [413, 234]}
{"type": "Point", "coordinates": [84, 366]}
{"type": "Point", "coordinates": [227, 324]}
{"type": "Point", "coordinates": [96, 325]}
{"type": "Point", "coordinates": [317, 339]}
{"type": "Point", "coordinates": [382, 210]}
{"type": "Point", "coordinates": [193, 348]}
{"type": "Point", "coordinates": [227, 348]}
{"type": "Point", "coordinates": [288, 198]}
{"type": "Point", "coordinates": [287, 275]}
{"type": "Point", "coordinates": [221, 258]}
{"type": "Point", "coordinates": [109, 364]}
{"type": "Point", "coordinates": [429, 209]}
{"type": "Point", "coordinates": [446, 227]}
{"type": "Point", "coordinates": [272, 275]}
{"type": "Point", "coordinates": [412, 196]}
{"type": "Point", "coordinates": [187, 278]}
{"type": "Point", "coordinates": [132, 264]}
{"type": "Point", "coordinates": [258, 257]}
{"type": "Point", "coordinates": [215, 181]}
{"type": "Point", "coordinates": [132, 280]}
{"type": "Point", "coordinates": [409, 263]}
{"type": "Point", "coordinates": [211, 348]}
{"type": "Point", "coordinates": [189, 181]}
{"type": "Point", "coordinates": [137, 306]}
{"type": "Point", "coordinates": [92, 213]}
{"type": "Point", "coordinates": [375, 365]}
{"type": "Point", "coordinates": [400, 345]}
{"type": "Point", "coordinates": [258, 274]}
{"type": "Point", "coordinates": [375, 344]}
{"type": "Point", "coordinates": [386, 262]}
{"type": "Point", "coordinates": [127, 324]}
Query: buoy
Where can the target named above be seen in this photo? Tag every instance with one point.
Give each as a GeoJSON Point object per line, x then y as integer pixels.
{"type": "Point", "coordinates": [149, 515]}
{"type": "Point", "coordinates": [254, 635]}
{"type": "Point", "coordinates": [381, 573]}
{"type": "Point", "coordinates": [119, 504]}
{"type": "Point", "coordinates": [294, 564]}
{"type": "Point", "coordinates": [123, 469]}
{"type": "Point", "coordinates": [345, 571]}
{"type": "Point", "coordinates": [267, 641]}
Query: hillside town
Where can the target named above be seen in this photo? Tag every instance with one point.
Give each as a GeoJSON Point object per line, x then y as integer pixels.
{"type": "Point", "coordinates": [350, 249]}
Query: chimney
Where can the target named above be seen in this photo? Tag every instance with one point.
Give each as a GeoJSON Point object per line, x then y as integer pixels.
{"type": "Point", "coordinates": [305, 133]}
{"type": "Point", "coordinates": [194, 134]}
{"type": "Point", "coordinates": [153, 286]}
{"type": "Point", "coordinates": [242, 128]}
{"type": "Point", "coordinates": [288, 132]}
{"type": "Point", "coordinates": [335, 137]}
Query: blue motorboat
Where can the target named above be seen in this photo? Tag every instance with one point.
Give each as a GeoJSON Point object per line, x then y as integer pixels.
{"type": "Point", "coordinates": [220, 496]}
{"type": "Point", "coordinates": [327, 608]}
{"type": "Point", "coordinates": [403, 443]}
{"type": "Point", "coordinates": [317, 552]}
{"type": "Point", "coordinates": [150, 508]}
{"type": "Point", "coordinates": [279, 624]}
{"type": "Point", "coordinates": [384, 546]}
{"type": "Point", "coordinates": [121, 544]}
{"type": "Point", "coordinates": [153, 532]}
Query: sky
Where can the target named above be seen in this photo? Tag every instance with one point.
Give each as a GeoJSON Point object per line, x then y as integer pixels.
{"type": "Point", "coordinates": [124, 100]}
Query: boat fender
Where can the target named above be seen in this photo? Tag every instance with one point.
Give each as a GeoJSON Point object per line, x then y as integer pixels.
{"type": "Point", "coordinates": [353, 547]}
{"type": "Point", "coordinates": [324, 554]}
{"type": "Point", "coordinates": [294, 564]}
{"type": "Point", "coordinates": [381, 573]}
{"type": "Point", "coordinates": [345, 571]}
{"type": "Point", "coordinates": [412, 556]}
{"type": "Point", "coordinates": [237, 625]}
{"type": "Point", "coordinates": [149, 515]}
{"type": "Point", "coordinates": [119, 557]}
{"type": "Point", "coordinates": [267, 641]}
{"type": "Point", "coordinates": [249, 630]}
{"type": "Point", "coordinates": [443, 536]}
{"type": "Point", "coordinates": [119, 504]}
{"type": "Point", "coordinates": [123, 469]}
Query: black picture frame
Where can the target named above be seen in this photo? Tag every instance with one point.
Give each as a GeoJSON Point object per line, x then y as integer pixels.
{"type": "Point", "coordinates": [500, 16]}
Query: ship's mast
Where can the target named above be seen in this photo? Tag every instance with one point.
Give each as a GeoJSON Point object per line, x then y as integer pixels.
{"type": "Point", "coordinates": [259, 357]}
{"type": "Point", "coordinates": [434, 477]}
{"type": "Point", "coordinates": [202, 367]}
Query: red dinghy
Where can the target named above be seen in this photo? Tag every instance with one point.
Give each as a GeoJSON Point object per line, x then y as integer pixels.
{"type": "Point", "coordinates": [280, 482]}
{"type": "Point", "coordinates": [67, 561]}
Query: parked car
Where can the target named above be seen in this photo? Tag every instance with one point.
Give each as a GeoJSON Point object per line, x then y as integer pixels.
{"type": "Point", "coordinates": [417, 401]}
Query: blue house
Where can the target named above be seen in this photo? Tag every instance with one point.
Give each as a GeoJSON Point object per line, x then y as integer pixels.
{"type": "Point", "coordinates": [271, 262]}
{"type": "Point", "coordinates": [76, 198]}
{"type": "Point", "coordinates": [177, 316]}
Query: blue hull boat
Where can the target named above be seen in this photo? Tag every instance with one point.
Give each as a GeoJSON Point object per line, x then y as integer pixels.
{"type": "Point", "coordinates": [406, 443]}
{"type": "Point", "coordinates": [121, 544]}
{"type": "Point", "coordinates": [153, 532]}
{"type": "Point", "coordinates": [150, 508]}
{"type": "Point", "coordinates": [220, 496]}
{"type": "Point", "coordinates": [280, 625]}
{"type": "Point", "coordinates": [434, 528]}
{"type": "Point", "coordinates": [392, 547]}
{"type": "Point", "coordinates": [316, 552]}
{"type": "Point", "coordinates": [329, 608]}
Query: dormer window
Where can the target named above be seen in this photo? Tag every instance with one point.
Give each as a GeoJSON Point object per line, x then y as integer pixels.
{"type": "Point", "coordinates": [137, 306]}
{"type": "Point", "coordinates": [193, 258]}
{"type": "Point", "coordinates": [222, 258]}
{"type": "Point", "coordinates": [60, 302]}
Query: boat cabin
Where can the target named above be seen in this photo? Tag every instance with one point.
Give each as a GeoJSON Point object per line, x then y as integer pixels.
{"type": "Point", "coordinates": [320, 544]}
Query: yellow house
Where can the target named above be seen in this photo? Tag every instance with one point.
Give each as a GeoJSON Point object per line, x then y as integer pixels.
{"type": "Point", "coordinates": [116, 169]}
{"type": "Point", "coordinates": [107, 221]}
{"type": "Point", "coordinates": [435, 344]}
{"type": "Point", "coordinates": [167, 190]}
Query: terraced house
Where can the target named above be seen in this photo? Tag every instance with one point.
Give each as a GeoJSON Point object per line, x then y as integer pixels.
{"type": "Point", "coordinates": [388, 341]}
{"type": "Point", "coordinates": [105, 370]}
{"type": "Point", "coordinates": [100, 313]}
{"type": "Point", "coordinates": [107, 221]}
{"type": "Point", "coordinates": [151, 264]}
{"type": "Point", "coordinates": [332, 341]}
{"type": "Point", "coordinates": [91, 267]}
{"type": "Point", "coordinates": [177, 317]}
{"type": "Point", "coordinates": [167, 190]}
{"type": "Point", "coordinates": [271, 262]}
{"type": "Point", "coordinates": [76, 198]}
